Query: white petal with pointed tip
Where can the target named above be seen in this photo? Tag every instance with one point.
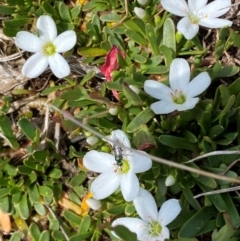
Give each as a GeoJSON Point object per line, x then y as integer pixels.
{"type": "Point", "coordinates": [179, 7]}
{"type": "Point", "coordinates": [135, 225]}
{"type": "Point", "coordinates": [139, 162]}
{"type": "Point", "coordinates": [35, 65]}
{"type": "Point", "coordinates": [188, 104]}
{"type": "Point", "coordinates": [195, 5]}
{"type": "Point", "coordinates": [214, 22]}
{"type": "Point", "coordinates": [169, 211]}
{"type": "Point", "coordinates": [47, 29]}
{"type": "Point", "coordinates": [179, 74]}
{"type": "Point", "coordinates": [217, 8]}
{"type": "Point", "coordinates": [198, 85]}
{"type": "Point", "coordinates": [188, 29]}
{"type": "Point", "coordinates": [157, 90]}
{"type": "Point", "coordinates": [99, 161]}
{"type": "Point", "coordinates": [59, 65]}
{"type": "Point", "coordinates": [145, 205]}
{"type": "Point", "coordinates": [163, 107]}
{"type": "Point", "coordinates": [105, 185]}
{"type": "Point", "coordinates": [65, 41]}
{"type": "Point", "coordinates": [28, 42]}
{"type": "Point", "coordinates": [129, 186]}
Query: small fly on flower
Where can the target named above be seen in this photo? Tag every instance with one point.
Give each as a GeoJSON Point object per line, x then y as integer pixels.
{"type": "Point", "coordinates": [117, 150]}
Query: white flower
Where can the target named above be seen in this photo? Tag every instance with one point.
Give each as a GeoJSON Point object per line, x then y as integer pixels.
{"type": "Point", "coordinates": [152, 225]}
{"type": "Point", "coordinates": [181, 94]}
{"type": "Point", "coordinates": [113, 176]}
{"type": "Point", "coordinates": [46, 48]}
{"type": "Point", "coordinates": [140, 12]}
{"type": "Point", "coordinates": [170, 180]}
{"type": "Point", "coordinates": [198, 12]}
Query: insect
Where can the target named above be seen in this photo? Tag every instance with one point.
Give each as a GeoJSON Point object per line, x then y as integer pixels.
{"type": "Point", "coordinates": [118, 155]}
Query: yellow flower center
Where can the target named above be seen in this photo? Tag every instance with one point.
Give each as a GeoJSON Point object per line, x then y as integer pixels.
{"type": "Point", "coordinates": [178, 97]}
{"type": "Point", "coordinates": [49, 49]}
{"type": "Point", "coordinates": [125, 167]}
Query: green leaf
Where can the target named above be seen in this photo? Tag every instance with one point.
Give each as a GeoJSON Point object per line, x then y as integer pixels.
{"type": "Point", "coordinates": [124, 233]}
{"type": "Point", "coordinates": [6, 128]}
{"type": "Point", "coordinates": [234, 88]}
{"type": "Point", "coordinates": [45, 191]}
{"type": "Point", "coordinates": [16, 236]}
{"type": "Point", "coordinates": [235, 38]}
{"type": "Point", "coordinates": [192, 201]}
{"type": "Point", "coordinates": [33, 193]}
{"type": "Point", "coordinates": [85, 224]}
{"type": "Point", "coordinates": [40, 208]}
{"type": "Point", "coordinates": [78, 179]}
{"type": "Point", "coordinates": [197, 222]}
{"type": "Point", "coordinates": [16, 23]}
{"type": "Point", "coordinates": [79, 92]}
{"type": "Point", "coordinates": [87, 77]}
{"type": "Point", "coordinates": [91, 51]}
{"type": "Point", "coordinates": [110, 17]}
{"type": "Point", "coordinates": [136, 24]}
{"type": "Point", "coordinates": [72, 218]}
{"type": "Point", "coordinates": [23, 207]}
{"type": "Point", "coordinates": [155, 69]}
{"type": "Point", "coordinates": [55, 173]}
{"type": "Point", "coordinates": [231, 210]}
{"type": "Point", "coordinates": [45, 236]}
{"type": "Point", "coordinates": [136, 37]}
{"type": "Point", "coordinates": [228, 71]}
{"type": "Point", "coordinates": [142, 118]}
{"type": "Point", "coordinates": [64, 12]}
{"type": "Point", "coordinates": [177, 142]}
{"type": "Point", "coordinates": [7, 10]}
{"type": "Point", "coordinates": [169, 35]}
{"type": "Point", "coordinates": [27, 128]}
{"type": "Point", "coordinates": [34, 232]}
{"type": "Point", "coordinates": [5, 204]}
{"type": "Point", "coordinates": [151, 37]}
{"type": "Point", "coordinates": [132, 97]}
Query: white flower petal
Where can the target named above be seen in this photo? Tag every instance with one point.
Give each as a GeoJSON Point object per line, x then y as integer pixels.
{"type": "Point", "coordinates": [188, 104]}
{"type": "Point", "coordinates": [188, 29]}
{"type": "Point", "coordinates": [105, 185]}
{"type": "Point", "coordinates": [165, 234]}
{"type": "Point", "coordinates": [169, 211]}
{"type": "Point", "coordinates": [99, 162]}
{"type": "Point", "coordinates": [65, 41]}
{"type": "Point", "coordinates": [170, 180]}
{"type": "Point", "coordinates": [157, 90]}
{"type": "Point", "coordinates": [47, 29]}
{"type": "Point", "coordinates": [28, 41]}
{"type": "Point", "coordinates": [195, 5]}
{"type": "Point", "coordinates": [214, 22]}
{"type": "Point", "coordinates": [179, 7]}
{"type": "Point", "coordinates": [119, 137]}
{"type": "Point", "coordinates": [145, 205]}
{"type": "Point", "coordinates": [198, 85]}
{"type": "Point", "coordinates": [129, 186]}
{"type": "Point", "coordinates": [217, 8]}
{"type": "Point", "coordinates": [135, 225]}
{"type": "Point", "coordinates": [179, 74]}
{"type": "Point", "coordinates": [163, 107]}
{"type": "Point", "coordinates": [139, 162]}
{"type": "Point", "coordinates": [35, 65]}
{"type": "Point", "coordinates": [59, 65]}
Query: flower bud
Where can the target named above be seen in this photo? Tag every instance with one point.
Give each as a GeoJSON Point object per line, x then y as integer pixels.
{"type": "Point", "coordinates": [141, 13]}
{"type": "Point", "coordinates": [93, 203]}
{"type": "Point", "coordinates": [113, 110]}
{"type": "Point", "coordinates": [170, 180]}
{"type": "Point", "coordinates": [142, 2]}
{"type": "Point", "coordinates": [92, 140]}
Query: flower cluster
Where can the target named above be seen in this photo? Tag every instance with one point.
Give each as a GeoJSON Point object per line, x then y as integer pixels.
{"type": "Point", "coordinates": [197, 13]}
